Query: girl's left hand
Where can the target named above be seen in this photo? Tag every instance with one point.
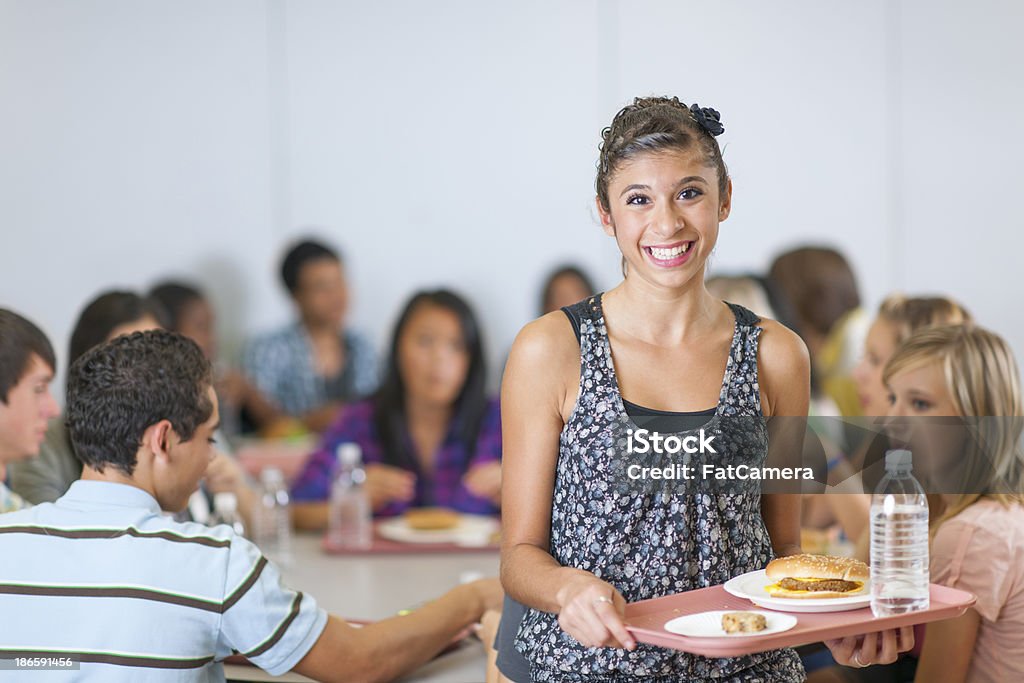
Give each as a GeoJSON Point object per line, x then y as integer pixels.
{"type": "Point", "coordinates": [872, 648]}
{"type": "Point", "coordinates": [485, 481]}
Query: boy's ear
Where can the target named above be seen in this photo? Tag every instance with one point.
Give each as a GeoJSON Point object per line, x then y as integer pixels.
{"type": "Point", "coordinates": [157, 438]}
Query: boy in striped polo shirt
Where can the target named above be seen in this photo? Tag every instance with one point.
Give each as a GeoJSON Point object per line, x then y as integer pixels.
{"type": "Point", "coordinates": [27, 365]}
{"type": "Point", "coordinates": [103, 578]}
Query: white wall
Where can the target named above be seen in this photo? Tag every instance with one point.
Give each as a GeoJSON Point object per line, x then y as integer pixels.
{"type": "Point", "coordinates": [454, 143]}
{"type": "Point", "coordinates": [135, 144]}
{"type": "Point", "coordinates": [961, 104]}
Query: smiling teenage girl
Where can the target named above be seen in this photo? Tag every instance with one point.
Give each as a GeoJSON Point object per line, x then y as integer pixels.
{"type": "Point", "coordinates": [657, 343]}
{"type": "Point", "coordinates": [576, 547]}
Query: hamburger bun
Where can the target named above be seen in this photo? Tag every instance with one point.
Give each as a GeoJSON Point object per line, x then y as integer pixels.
{"type": "Point", "coordinates": [431, 519]}
{"type": "Point", "coordinates": [816, 576]}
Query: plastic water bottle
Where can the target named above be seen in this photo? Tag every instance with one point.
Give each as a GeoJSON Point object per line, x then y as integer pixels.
{"type": "Point", "coordinates": [225, 511]}
{"type": "Point", "coordinates": [899, 540]}
{"type": "Point", "coordinates": [350, 522]}
{"type": "Point", "coordinates": [272, 519]}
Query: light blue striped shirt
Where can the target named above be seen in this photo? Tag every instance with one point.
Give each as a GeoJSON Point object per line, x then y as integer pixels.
{"type": "Point", "coordinates": [102, 576]}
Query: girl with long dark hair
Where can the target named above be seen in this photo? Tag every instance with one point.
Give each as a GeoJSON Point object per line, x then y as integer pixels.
{"type": "Point", "coordinates": [429, 436]}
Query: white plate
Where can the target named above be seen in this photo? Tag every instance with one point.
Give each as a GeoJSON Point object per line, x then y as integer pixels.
{"type": "Point", "coordinates": [752, 587]}
{"type": "Point", "coordinates": [709, 624]}
{"type": "Point", "coordinates": [471, 530]}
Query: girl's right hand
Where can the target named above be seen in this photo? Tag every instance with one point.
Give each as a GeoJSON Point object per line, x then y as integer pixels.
{"type": "Point", "coordinates": [386, 484]}
{"type": "Point", "coordinates": [872, 648]}
{"type": "Point", "coordinates": [591, 611]}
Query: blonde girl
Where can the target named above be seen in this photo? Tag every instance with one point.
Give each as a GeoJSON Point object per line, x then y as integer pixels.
{"type": "Point", "coordinates": [978, 540]}
{"type": "Point", "coordinates": [898, 317]}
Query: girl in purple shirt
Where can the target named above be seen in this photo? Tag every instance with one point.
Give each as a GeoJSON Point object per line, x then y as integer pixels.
{"type": "Point", "coordinates": [429, 436]}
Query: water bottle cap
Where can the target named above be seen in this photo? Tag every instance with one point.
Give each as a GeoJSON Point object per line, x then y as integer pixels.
{"type": "Point", "coordinates": [898, 459]}
{"type": "Point", "coordinates": [225, 502]}
{"type": "Point", "coordinates": [349, 454]}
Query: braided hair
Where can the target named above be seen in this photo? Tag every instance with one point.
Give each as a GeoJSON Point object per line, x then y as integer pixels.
{"type": "Point", "coordinates": [657, 124]}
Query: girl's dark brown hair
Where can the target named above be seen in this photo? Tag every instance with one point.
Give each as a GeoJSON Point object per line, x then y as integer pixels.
{"type": "Point", "coordinates": [659, 124]}
{"type": "Point", "coordinates": [820, 284]}
{"type": "Point", "coordinates": [390, 416]}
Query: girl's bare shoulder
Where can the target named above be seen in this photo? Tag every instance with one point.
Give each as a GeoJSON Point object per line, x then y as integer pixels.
{"type": "Point", "coordinates": [547, 342]}
{"type": "Point", "coordinates": [780, 345]}
{"type": "Point", "coordinates": [784, 369]}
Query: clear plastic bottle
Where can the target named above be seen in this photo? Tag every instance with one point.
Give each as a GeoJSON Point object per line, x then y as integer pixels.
{"type": "Point", "coordinates": [225, 511]}
{"type": "Point", "coordinates": [350, 521]}
{"type": "Point", "coordinates": [899, 540]}
{"type": "Point", "coordinates": [272, 519]}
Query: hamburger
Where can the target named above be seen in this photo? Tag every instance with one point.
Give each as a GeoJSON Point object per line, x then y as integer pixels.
{"type": "Point", "coordinates": [431, 519]}
{"type": "Point", "coordinates": [815, 576]}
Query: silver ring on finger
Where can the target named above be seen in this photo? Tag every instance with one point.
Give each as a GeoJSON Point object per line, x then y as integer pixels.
{"type": "Point", "coordinates": [601, 599]}
{"type": "Point", "coordinates": [856, 660]}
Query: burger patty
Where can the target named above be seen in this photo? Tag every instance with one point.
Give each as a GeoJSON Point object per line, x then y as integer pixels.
{"type": "Point", "coordinates": [831, 585]}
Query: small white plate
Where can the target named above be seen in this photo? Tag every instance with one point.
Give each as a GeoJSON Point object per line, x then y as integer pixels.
{"type": "Point", "coordinates": [709, 624]}
{"type": "Point", "coordinates": [752, 587]}
{"type": "Point", "coordinates": [471, 530]}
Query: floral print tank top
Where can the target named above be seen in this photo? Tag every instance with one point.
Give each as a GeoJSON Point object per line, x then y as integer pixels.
{"type": "Point", "coordinates": [653, 543]}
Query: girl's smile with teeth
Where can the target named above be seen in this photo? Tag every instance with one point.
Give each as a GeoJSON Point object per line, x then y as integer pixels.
{"type": "Point", "coordinates": [670, 255]}
{"type": "Point", "coordinates": [665, 253]}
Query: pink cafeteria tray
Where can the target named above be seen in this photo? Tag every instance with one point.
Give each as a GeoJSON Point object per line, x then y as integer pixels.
{"type": "Point", "coordinates": [646, 621]}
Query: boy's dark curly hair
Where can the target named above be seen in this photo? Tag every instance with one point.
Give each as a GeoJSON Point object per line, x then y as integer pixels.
{"type": "Point", "coordinates": [120, 388]}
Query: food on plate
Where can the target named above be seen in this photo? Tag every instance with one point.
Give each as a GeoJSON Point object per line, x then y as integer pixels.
{"type": "Point", "coordinates": [743, 622]}
{"type": "Point", "coordinates": [431, 519]}
{"type": "Point", "coordinates": [815, 576]}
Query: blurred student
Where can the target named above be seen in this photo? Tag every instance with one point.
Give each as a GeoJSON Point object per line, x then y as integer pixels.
{"type": "Point", "coordinates": [898, 317]}
{"type": "Point", "coordinates": [822, 288]}
{"type": "Point", "coordinates": [564, 286]}
{"type": "Point", "coordinates": [190, 313]}
{"type": "Point", "coordinates": [150, 599]}
{"type": "Point", "coordinates": [743, 290]}
{"type": "Point", "coordinates": [977, 542]}
{"type": "Point", "coordinates": [312, 367]}
{"type": "Point", "coordinates": [429, 436]}
{"type": "Point", "coordinates": [27, 366]}
{"type": "Point", "coordinates": [109, 315]}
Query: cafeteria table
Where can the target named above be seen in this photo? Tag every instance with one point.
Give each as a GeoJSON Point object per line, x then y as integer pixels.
{"type": "Point", "coordinates": [372, 587]}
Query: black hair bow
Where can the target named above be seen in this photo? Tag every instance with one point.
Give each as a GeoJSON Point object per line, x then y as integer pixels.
{"type": "Point", "coordinates": [708, 118]}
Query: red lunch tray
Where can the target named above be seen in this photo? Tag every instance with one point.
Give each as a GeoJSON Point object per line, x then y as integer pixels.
{"type": "Point", "coordinates": [646, 621]}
